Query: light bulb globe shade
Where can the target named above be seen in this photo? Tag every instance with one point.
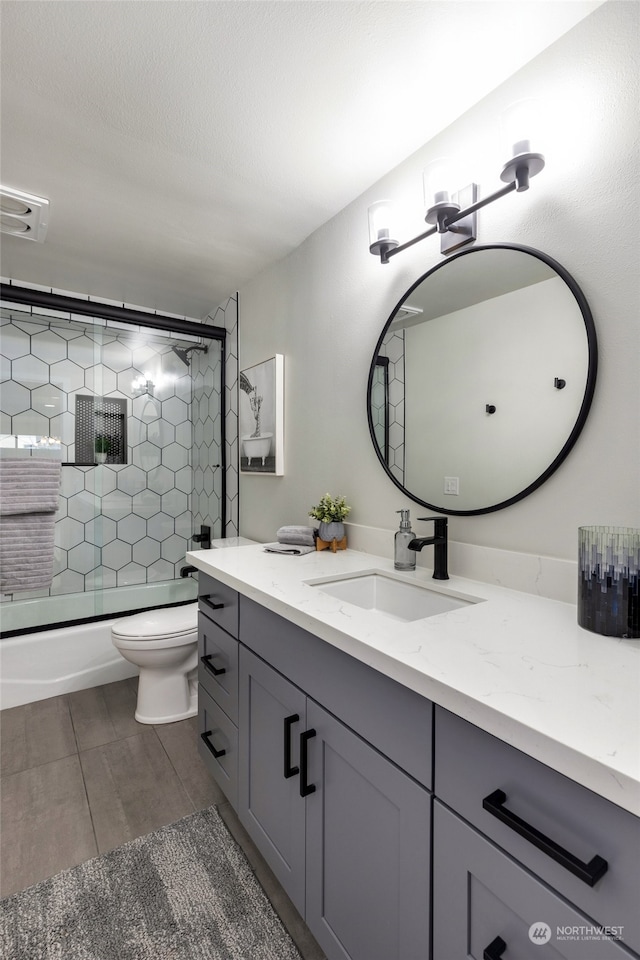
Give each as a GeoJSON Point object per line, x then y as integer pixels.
{"type": "Point", "coordinates": [382, 227]}
{"type": "Point", "coordinates": [440, 181]}
{"type": "Point", "coordinates": [521, 133]}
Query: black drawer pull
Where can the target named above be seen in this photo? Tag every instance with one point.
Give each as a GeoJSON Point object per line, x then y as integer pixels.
{"type": "Point", "coordinates": [495, 949]}
{"type": "Point", "coordinates": [217, 753]}
{"type": "Point", "coordinates": [305, 788]}
{"type": "Point", "coordinates": [589, 873]}
{"type": "Point", "coordinates": [212, 604]}
{"type": "Point", "coordinates": [206, 662]}
{"type": "Point", "coordinates": [289, 771]}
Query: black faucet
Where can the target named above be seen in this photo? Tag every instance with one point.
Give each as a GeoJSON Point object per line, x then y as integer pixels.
{"type": "Point", "coordinates": [439, 541]}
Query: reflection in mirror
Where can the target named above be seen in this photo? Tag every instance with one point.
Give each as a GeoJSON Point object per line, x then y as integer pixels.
{"type": "Point", "coordinates": [490, 363]}
{"type": "Point", "coordinates": [380, 405]}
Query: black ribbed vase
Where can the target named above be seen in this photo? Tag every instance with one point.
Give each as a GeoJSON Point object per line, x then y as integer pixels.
{"type": "Point", "coordinates": [608, 579]}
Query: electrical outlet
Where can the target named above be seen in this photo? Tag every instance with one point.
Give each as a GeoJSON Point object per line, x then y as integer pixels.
{"type": "Point", "coordinates": [452, 485]}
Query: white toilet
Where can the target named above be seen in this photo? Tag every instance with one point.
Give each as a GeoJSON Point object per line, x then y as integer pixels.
{"type": "Point", "coordinates": [164, 645]}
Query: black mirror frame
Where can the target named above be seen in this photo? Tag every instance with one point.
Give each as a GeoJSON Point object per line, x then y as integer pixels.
{"type": "Point", "coordinates": [592, 368]}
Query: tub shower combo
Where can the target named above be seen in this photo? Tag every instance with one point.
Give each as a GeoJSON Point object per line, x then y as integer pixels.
{"type": "Point", "coordinates": [127, 406]}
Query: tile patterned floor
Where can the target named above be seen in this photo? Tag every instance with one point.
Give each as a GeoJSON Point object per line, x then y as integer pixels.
{"type": "Point", "coordinates": [80, 776]}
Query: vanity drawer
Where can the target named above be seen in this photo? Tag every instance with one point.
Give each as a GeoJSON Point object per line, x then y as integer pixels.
{"type": "Point", "coordinates": [219, 602]}
{"type": "Point", "coordinates": [394, 720]}
{"type": "Point", "coordinates": [481, 897]}
{"type": "Point", "coordinates": [218, 745]}
{"type": "Point", "coordinates": [218, 665]}
{"type": "Point", "coordinates": [472, 765]}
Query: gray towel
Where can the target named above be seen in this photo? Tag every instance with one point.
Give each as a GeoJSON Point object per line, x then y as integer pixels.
{"type": "Point", "coordinates": [26, 552]}
{"type": "Point", "coordinates": [29, 492]}
{"type": "Point", "coordinates": [296, 534]}
{"type": "Point", "coordinates": [290, 549]}
{"type": "Point", "coordinates": [29, 485]}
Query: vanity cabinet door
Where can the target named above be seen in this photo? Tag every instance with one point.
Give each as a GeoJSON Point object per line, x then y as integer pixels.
{"type": "Point", "coordinates": [218, 745]}
{"type": "Point", "coordinates": [218, 665]}
{"type": "Point", "coordinates": [368, 849]}
{"type": "Point", "coordinates": [272, 716]}
{"type": "Point", "coordinates": [487, 907]}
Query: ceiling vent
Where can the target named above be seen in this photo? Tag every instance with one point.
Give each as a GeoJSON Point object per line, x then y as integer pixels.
{"type": "Point", "coordinates": [23, 215]}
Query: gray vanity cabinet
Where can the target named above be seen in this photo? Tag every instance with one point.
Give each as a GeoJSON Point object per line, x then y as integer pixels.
{"type": "Point", "coordinates": [368, 849]}
{"type": "Point", "coordinates": [330, 766]}
{"type": "Point", "coordinates": [578, 855]}
{"type": "Point", "coordinates": [272, 716]}
{"type": "Point", "coordinates": [345, 830]}
{"type": "Point", "coordinates": [218, 683]}
{"type": "Point", "coordinates": [487, 907]}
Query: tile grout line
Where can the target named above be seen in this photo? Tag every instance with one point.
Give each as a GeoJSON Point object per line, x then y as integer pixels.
{"type": "Point", "coordinates": [84, 782]}
{"type": "Point", "coordinates": [182, 784]}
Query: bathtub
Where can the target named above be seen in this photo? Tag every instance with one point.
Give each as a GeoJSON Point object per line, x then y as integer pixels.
{"type": "Point", "coordinates": [44, 663]}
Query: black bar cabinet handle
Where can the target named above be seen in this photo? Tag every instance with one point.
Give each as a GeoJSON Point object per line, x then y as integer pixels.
{"type": "Point", "coordinates": [217, 753]}
{"type": "Point", "coordinates": [305, 788]}
{"type": "Point", "coordinates": [213, 604]}
{"type": "Point", "coordinates": [289, 771]}
{"type": "Point", "coordinates": [495, 949]}
{"type": "Point", "coordinates": [589, 873]}
{"type": "Point", "coordinates": [216, 671]}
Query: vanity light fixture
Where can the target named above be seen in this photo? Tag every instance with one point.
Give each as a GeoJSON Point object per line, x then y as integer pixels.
{"type": "Point", "coordinates": [453, 215]}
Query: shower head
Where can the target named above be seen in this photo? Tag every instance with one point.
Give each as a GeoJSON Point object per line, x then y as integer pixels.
{"type": "Point", "coordinates": [183, 352]}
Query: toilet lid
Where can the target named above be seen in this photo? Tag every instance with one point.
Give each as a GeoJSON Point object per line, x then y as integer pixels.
{"type": "Point", "coordinates": [153, 624]}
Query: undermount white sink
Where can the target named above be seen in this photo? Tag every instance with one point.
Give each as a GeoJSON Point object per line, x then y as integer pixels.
{"type": "Point", "coordinates": [393, 597]}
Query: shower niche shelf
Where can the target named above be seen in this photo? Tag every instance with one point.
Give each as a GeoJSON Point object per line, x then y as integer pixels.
{"type": "Point", "coordinates": [100, 417]}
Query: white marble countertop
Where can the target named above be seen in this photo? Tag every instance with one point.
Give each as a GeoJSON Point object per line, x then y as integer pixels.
{"type": "Point", "coordinates": [517, 665]}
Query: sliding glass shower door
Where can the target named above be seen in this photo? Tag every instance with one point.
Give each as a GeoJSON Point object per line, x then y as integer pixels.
{"type": "Point", "coordinates": [135, 415]}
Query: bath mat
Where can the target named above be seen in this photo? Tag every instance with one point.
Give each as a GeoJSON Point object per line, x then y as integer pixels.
{"type": "Point", "coordinates": [185, 892]}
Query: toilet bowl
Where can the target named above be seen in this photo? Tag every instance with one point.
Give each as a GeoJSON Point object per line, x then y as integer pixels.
{"type": "Point", "coordinates": [164, 645]}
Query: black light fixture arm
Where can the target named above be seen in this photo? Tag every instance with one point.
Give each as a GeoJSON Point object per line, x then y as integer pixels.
{"type": "Point", "coordinates": [518, 184]}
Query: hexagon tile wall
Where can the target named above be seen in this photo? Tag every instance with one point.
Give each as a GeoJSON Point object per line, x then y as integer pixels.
{"type": "Point", "coordinates": [207, 480]}
{"type": "Point", "coordinates": [130, 523]}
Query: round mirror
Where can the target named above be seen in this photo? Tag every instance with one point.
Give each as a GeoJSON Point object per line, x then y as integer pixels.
{"type": "Point", "coordinates": [482, 379]}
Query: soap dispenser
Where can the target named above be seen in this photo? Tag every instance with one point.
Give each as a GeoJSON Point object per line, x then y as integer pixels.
{"type": "Point", "coordinates": [403, 558]}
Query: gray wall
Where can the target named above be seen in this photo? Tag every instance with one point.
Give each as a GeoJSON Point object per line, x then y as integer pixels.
{"type": "Point", "coordinates": [323, 306]}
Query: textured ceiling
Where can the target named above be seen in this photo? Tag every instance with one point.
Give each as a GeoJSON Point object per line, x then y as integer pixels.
{"type": "Point", "coordinates": [185, 146]}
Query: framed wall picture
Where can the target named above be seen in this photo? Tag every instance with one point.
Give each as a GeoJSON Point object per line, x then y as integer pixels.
{"type": "Point", "coordinates": [261, 417]}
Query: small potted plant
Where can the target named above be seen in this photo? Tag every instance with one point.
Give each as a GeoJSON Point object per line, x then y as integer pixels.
{"type": "Point", "coordinates": [101, 447]}
{"type": "Point", "coordinates": [331, 512]}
